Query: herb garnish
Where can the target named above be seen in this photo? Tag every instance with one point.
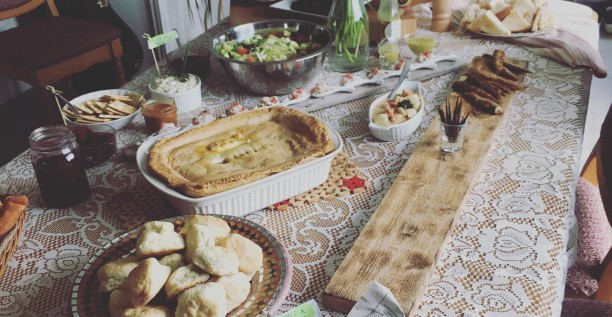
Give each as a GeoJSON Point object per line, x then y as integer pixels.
{"type": "Point", "coordinates": [406, 104]}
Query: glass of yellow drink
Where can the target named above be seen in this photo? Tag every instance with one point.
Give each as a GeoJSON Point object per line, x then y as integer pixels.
{"type": "Point", "coordinates": [421, 44]}
{"type": "Point", "coordinates": [388, 52]}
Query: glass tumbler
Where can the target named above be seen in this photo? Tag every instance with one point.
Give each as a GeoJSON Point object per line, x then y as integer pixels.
{"type": "Point", "coordinates": [452, 137]}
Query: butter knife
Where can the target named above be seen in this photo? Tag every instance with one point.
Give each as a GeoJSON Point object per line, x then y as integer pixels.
{"type": "Point", "coordinates": [403, 75]}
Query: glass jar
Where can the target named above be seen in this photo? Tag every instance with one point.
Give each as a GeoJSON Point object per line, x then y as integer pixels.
{"type": "Point", "coordinates": [157, 111]}
{"type": "Point", "coordinates": [58, 166]}
{"type": "Point", "coordinates": [348, 22]}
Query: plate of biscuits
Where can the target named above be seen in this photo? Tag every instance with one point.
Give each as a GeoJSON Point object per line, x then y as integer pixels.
{"type": "Point", "coordinates": [506, 18]}
{"type": "Point", "coordinates": [185, 266]}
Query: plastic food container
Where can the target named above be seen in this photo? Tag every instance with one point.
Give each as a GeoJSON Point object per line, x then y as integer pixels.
{"type": "Point", "coordinates": [185, 101]}
{"type": "Point", "coordinates": [242, 200]}
{"type": "Point", "coordinates": [400, 131]}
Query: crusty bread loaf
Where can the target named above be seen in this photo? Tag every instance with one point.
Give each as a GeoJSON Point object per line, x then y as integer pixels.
{"type": "Point", "coordinates": [11, 209]}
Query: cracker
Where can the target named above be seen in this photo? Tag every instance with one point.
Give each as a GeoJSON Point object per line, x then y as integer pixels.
{"type": "Point", "coordinates": [121, 107]}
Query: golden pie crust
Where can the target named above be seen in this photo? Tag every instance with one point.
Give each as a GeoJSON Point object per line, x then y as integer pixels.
{"type": "Point", "coordinates": [238, 150]}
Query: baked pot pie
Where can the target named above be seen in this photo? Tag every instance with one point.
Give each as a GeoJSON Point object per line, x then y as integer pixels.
{"type": "Point", "coordinates": [238, 150]}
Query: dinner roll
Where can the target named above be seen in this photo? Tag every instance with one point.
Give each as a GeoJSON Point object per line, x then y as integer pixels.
{"type": "Point", "coordinates": [119, 306]}
{"type": "Point", "coordinates": [218, 225]}
{"type": "Point", "coordinates": [158, 238]}
{"type": "Point", "coordinates": [217, 260]}
{"type": "Point", "coordinates": [237, 288]}
{"type": "Point", "coordinates": [145, 281]}
{"type": "Point", "coordinates": [112, 274]}
{"type": "Point", "coordinates": [147, 311]}
{"type": "Point", "coordinates": [183, 278]}
{"type": "Point", "coordinates": [250, 255]}
{"type": "Point", "coordinates": [174, 261]}
{"type": "Point", "coordinates": [198, 236]}
{"type": "Point", "coordinates": [204, 300]}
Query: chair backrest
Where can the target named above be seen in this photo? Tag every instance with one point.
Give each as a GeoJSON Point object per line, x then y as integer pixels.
{"type": "Point", "coordinates": [598, 167]}
{"type": "Point", "coordinates": [15, 8]}
{"type": "Point", "coordinates": [604, 164]}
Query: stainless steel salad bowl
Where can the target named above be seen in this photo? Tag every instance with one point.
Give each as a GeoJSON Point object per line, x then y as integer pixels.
{"type": "Point", "coordinates": [274, 78]}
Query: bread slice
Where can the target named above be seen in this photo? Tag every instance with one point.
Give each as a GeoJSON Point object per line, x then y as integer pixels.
{"type": "Point", "coordinates": [545, 19]}
{"type": "Point", "coordinates": [502, 10]}
{"type": "Point", "coordinates": [526, 5]}
{"type": "Point", "coordinates": [471, 12]}
{"type": "Point", "coordinates": [516, 22]}
{"type": "Point", "coordinates": [489, 23]}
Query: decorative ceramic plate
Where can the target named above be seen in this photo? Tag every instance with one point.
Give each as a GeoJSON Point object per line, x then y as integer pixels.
{"type": "Point", "coordinates": [269, 286]}
{"type": "Point", "coordinates": [457, 15]}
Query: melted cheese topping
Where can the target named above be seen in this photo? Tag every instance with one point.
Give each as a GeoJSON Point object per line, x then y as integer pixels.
{"type": "Point", "coordinates": [237, 151]}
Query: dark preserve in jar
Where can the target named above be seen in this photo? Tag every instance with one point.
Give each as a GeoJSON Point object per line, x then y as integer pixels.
{"type": "Point", "coordinates": [58, 166]}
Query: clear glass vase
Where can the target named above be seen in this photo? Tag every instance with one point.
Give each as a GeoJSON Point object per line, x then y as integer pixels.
{"type": "Point", "coordinates": [348, 22]}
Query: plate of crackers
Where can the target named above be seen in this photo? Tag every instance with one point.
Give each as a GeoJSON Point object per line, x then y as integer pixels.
{"type": "Point", "coordinates": [213, 265]}
{"type": "Point", "coordinates": [115, 107]}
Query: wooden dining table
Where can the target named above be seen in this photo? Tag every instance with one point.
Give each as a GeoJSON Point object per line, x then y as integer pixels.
{"type": "Point", "coordinates": [507, 253]}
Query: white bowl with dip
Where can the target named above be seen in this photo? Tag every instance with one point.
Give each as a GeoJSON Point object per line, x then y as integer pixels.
{"type": "Point", "coordinates": [186, 97]}
{"type": "Point", "coordinates": [400, 131]}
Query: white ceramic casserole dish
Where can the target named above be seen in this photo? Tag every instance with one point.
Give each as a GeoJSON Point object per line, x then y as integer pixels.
{"type": "Point", "coordinates": [403, 130]}
{"type": "Point", "coordinates": [242, 200]}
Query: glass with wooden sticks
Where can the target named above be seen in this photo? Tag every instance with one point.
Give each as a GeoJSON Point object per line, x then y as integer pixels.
{"type": "Point", "coordinates": [453, 123]}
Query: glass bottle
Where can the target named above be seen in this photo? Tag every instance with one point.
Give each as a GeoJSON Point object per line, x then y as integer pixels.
{"type": "Point", "coordinates": [389, 23]}
{"type": "Point", "coordinates": [58, 166]}
{"type": "Point", "coordinates": [348, 22]}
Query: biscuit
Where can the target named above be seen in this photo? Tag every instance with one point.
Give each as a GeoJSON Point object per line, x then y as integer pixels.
{"type": "Point", "coordinates": [147, 311]}
{"type": "Point", "coordinates": [118, 303]}
{"type": "Point", "coordinates": [158, 238]}
{"type": "Point", "coordinates": [237, 288]}
{"type": "Point", "coordinates": [249, 253]}
{"type": "Point", "coordinates": [183, 278]}
{"type": "Point", "coordinates": [145, 281]}
{"type": "Point", "coordinates": [218, 225]}
{"type": "Point", "coordinates": [174, 261]}
{"type": "Point", "coordinates": [112, 274]}
{"type": "Point", "coordinates": [198, 236]}
{"type": "Point", "coordinates": [119, 306]}
{"type": "Point", "coordinates": [217, 260]}
{"type": "Point", "coordinates": [204, 300]}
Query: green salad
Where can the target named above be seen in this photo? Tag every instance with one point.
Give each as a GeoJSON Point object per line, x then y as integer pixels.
{"type": "Point", "coordinates": [272, 47]}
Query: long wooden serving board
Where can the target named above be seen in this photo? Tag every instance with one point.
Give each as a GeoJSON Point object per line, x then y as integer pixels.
{"type": "Point", "coordinates": [399, 245]}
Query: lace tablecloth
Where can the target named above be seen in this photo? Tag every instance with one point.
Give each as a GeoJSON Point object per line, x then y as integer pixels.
{"type": "Point", "coordinates": [506, 254]}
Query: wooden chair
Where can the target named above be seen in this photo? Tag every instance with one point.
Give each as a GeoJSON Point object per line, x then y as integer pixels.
{"type": "Point", "coordinates": [46, 50]}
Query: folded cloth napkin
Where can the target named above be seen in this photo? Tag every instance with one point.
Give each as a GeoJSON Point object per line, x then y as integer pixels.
{"type": "Point", "coordinates": [565, 47]}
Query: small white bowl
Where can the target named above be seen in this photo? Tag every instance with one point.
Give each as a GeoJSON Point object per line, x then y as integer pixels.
{"type": "Point", "coordinates": [400, 131]}
{"type": "Point", "coordinates": [187, 100]}
{"type": "Point", "coordinates": [117, 124]}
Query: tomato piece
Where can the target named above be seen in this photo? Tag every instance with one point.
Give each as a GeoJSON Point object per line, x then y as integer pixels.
{"type": "Point", "coordinates": [242, 50]}
{"type": "Point", "coordinates": [250, 58]}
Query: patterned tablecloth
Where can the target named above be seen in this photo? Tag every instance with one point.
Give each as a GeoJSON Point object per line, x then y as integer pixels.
{"type": "Point", "coordinates": [507, 252]}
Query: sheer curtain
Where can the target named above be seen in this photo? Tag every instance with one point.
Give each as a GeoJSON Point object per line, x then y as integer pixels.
{"type": "Point", "coordinates": [171, 14]}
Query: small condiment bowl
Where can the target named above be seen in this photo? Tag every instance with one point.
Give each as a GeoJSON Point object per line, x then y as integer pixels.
{"type": "Point", "coordinates": [96, 145]}
{"type": "Point", "coordinates": [185, 101]}
{"type": "Point", "coordinates": [402, 130]}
